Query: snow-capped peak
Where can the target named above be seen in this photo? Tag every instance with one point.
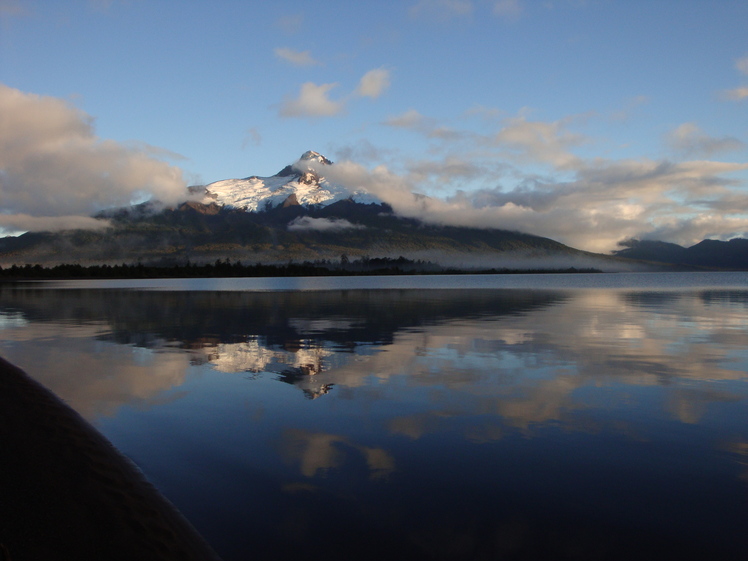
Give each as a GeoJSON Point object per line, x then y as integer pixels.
{"type": "Point", "coordinates": [311, 155]}
{"type": "Point", "coordinates": [299, 183]}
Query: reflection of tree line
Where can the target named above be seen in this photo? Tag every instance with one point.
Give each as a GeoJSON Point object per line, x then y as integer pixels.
{"type": "Point", "coordinates": [195, 319]}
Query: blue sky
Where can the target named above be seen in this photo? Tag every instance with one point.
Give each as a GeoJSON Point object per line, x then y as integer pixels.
{"type": "Point", "coordinates": [585, 121]}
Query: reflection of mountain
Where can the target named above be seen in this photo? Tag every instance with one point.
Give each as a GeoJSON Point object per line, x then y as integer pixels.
{"type": "Point", "coordinates": [522, 355]}
{"type": "Point", "coordinates": [521, 424]}
{"type": "Point", "coordinates": [94, 379]}
{"type": "Point", "coordinates": [295, 334]}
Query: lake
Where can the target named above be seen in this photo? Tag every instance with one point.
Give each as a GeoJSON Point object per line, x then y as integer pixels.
{"type": "Point", "coordinates": [448, 417]}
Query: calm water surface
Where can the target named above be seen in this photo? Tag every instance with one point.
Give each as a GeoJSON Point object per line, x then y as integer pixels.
{"type": "Point", "coordinates": [511, 417]}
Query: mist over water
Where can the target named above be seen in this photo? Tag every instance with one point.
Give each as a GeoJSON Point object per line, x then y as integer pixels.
{"type": "Point", "coordinates": [431, 422]}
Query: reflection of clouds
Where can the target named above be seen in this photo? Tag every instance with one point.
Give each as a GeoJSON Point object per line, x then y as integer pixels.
{"type": "Point", "coordinates": [689, 405]}
{"type": "Point", "coordinates": [740, 449]}
{"type": "Point", "coordinates": [94, 378]}
{"type": "Point", "coordinates": [529, 368]}
{"type": "Point", "coordinates": [539, 366]}
{"type": "Point", "coordinates": [318, 453]}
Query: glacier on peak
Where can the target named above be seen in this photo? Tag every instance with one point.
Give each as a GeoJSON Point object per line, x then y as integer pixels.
{"type": "Point", "coordinates": [298, 183]}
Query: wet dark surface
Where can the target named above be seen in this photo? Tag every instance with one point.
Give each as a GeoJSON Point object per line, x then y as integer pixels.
{"type": "Point", "coordinates": [417, 424]}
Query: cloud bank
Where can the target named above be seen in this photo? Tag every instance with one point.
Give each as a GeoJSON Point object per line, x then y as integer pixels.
{"type": "Point", "coordinates": [536, 183]}
{"type": "Point", "coordinates": [306, 223]}
{"type": "Point", "coordinates": [54, 170]}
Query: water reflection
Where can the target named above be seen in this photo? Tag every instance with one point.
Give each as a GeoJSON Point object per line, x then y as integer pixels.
{"type": "Point", "coordinates": [456, 424]}
{"type": "Point", "coordinates": [522, 355]}
{"type": "Point", "coordinates": [316, 453]}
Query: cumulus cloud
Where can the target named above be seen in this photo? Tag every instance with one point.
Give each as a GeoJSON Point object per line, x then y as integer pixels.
{"type": "Point", "coordinates": [690, 140]}
{"type": "Point", "coordinates": [737, 94]}
{"type": "Point", "coordinates": [442, 9]}
{"type": "Point", "coordinates": [374, 83]}
{"type": "Point", "coordinates": [547, 142]}
{"type": "Point", "coordinates": [412, 120]}
{"type": "Point", "coordinates": [297, 58]}
{"type": "Point", "coordinates": [312, 101]}
{"type": "Point", "coordinates": [306, 223]}
{"type": "Point", "coordinates": [742, 64]}
{"type": "Point", "coordinates": [518, 139]}
{"type": "Point", "coordinates": [53, 165]}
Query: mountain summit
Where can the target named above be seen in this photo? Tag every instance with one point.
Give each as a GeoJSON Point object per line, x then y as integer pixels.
{"type": "Point", "coordinates": [297, 184]}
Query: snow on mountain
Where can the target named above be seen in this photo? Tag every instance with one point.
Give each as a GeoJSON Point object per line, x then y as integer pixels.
{"type": "Point", "coordinates": [299, 183]}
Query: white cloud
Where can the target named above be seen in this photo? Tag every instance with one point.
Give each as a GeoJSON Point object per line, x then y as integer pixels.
{"type": "Point", "coordinates": [507, 9]}
{"type": "Point", "coordinates": [539, 141]}
{"type": "Point", "coordinates": [26, 223]}
{"type": "Point", "coordinates": [52, 164]}
{"type": "Point", "coordinates": [591, 204]}
{"type": "Point", "coordinates": [736, 94]}
{"type": "Point", "coordinates": [442, 9]}
{"type": "Point", "coordinates": [374, 83]}
{"type": "Point", "coordinates": [411, 119]}
{"type": "Point", "coordinates": [604, 202]}
{"type": "Point", "coordinates": [691, 230]}
{"type": "Point", "coordinates": [305, 223]}
{"type": "Point", "coordinates": [690, 140]}
{"type": "Point", "coordinates": [742, 64]}
{"type": "Point", "coordinates": [313, 101]}
{"type": "Point", "coordinates": [297, 58]}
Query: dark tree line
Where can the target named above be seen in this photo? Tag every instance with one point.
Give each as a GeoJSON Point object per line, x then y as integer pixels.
{"type": "Point", "coordinates": [227, 268]}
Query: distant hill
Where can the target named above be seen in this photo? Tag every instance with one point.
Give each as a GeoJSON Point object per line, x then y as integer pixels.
{"type": "Point", "coordinates": [713, 254]}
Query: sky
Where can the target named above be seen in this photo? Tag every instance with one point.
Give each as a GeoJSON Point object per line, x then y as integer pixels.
{"type": "Point", "coordinates": [587, 121]}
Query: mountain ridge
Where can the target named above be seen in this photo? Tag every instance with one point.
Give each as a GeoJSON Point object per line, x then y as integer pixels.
{"type": "Point", "coordinates": [294, 215]}
{"type": "Point", "coordinates": [713, 254]}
